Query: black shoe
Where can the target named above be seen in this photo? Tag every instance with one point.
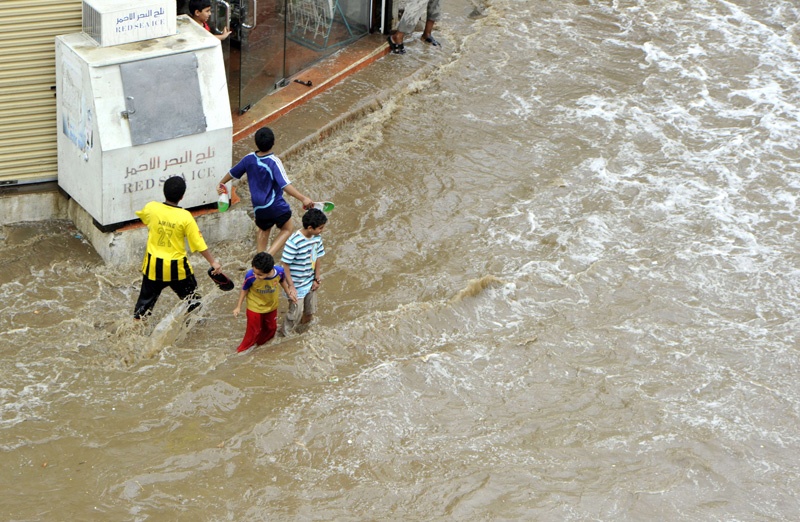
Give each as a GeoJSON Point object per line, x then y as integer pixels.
{"type": "Point", "coordinates": [396, 48]}
{"type": "Point", "coordinates": [431, 40]}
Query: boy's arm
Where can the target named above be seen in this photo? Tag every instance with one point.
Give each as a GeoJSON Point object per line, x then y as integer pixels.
{"type": "Point", "coordinates": [211, 261]}
{"type": "Point", "coordinates": [317, 275]}
{"type": "Point", "coordinates": [221, 187]}
{"type": "Point", "coordinates": [305, 200]}
{"type": "Point", "coordinates": [292, 291]}
{"type": "Point", "coordinates": [238, 308]}
{"type": "Point", "coordinates": [225, 33]}
{"type": "Point", "coordinates": [287, 273]}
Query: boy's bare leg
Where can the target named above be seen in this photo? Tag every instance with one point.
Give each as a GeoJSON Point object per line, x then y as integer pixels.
{"type": "Point", "coordinates": [262, 238]}
{"type": "Point", "coordinates": [306, 319]}
{"type": "Point", "coordinates": [283, 234]}
{"type": "Point", "coordinates": [428, 29]}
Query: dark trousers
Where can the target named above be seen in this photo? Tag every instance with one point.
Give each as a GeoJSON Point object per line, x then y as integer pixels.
{"type": "Point", "coordinates": [151, 290]}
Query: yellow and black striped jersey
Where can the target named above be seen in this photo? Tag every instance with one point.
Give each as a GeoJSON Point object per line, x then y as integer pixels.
{"type": "Point", "coordinates": [168, 228]}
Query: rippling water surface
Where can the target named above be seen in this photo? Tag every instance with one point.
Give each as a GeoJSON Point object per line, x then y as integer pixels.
{"type": "Point", "coordinates": [561, 284]}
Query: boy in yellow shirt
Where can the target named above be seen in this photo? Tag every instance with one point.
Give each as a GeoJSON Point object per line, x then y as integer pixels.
{"type": "Point", "coordinates": [260, 288]}
{"type": "Point", "coordinates": [165, 263]}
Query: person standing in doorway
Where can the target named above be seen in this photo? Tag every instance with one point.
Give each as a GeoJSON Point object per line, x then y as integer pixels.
{"type": "Point", "coordinates": [413, 12]}
{"type": "Point", "coordinates": [200, 11]}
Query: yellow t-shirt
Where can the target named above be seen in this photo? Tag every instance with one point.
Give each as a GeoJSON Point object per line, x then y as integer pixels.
{"type": "Point", "coordinates": [168, 228]}
{"type": "Point", "coordinates": [262, 294]}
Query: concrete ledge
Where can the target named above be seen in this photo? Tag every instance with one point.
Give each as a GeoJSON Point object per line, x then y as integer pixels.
{"type": "Point", "coordinates": [32, 203]}
{"type": "Point", "coordinates": [127, 245]}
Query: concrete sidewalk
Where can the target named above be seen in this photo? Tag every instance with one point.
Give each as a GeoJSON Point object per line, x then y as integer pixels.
{"type": "Point", "coordinates": [297, 125]}
{"type": "Point", "coordinates": [322, 76]}
{"type": "Point", "coordinates": [350, 91]}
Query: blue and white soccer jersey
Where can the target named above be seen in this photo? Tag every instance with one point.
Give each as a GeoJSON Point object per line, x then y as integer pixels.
{"type": "Point", "coordinates": [266, 178]}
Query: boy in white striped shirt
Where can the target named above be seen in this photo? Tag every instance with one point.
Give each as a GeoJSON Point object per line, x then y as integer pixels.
{"type": "Point", "coordinates": [301, 261]}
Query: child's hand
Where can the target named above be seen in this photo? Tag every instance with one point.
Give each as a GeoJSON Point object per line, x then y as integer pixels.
{"type": "Point", "coordinates": [236, 311]}
{"type": "Point", "coordinates": [222, 189]}
{"type": "Point", "coordinates": [307, 203]}
{"type": "Point", "coordinates": [292, 294]}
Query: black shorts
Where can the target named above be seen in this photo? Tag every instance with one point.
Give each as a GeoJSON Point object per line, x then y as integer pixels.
{"type": "Point", "coordinates": [265, 221]}
{"type": "Point", "coordinates": [151, 290]}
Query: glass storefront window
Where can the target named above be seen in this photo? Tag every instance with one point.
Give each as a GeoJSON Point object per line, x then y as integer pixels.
{"type": "Point", "coordinates": [272, 40]}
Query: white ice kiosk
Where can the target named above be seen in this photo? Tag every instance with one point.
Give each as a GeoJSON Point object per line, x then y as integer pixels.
{"type": "Point", "coordinates": [141, 96]}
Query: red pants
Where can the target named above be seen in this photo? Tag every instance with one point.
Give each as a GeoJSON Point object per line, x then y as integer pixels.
{"type": "Point", "coordinates": [260, 329]}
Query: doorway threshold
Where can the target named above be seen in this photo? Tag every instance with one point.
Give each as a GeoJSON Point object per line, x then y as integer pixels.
{"type": "Point", "coordinates": [308, 83]}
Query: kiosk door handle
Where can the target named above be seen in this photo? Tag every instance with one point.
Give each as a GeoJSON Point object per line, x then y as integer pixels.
{"type": "Point", "coordinates": [255, 16]}
{"type": "Point", "coordinates": [130, 108]}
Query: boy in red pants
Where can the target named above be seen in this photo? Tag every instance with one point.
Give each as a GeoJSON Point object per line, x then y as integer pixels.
{"type": "Point", "coordinates": [261, 290]}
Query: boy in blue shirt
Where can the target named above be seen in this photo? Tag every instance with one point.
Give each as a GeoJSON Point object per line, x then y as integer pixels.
{"type": "Point", "coordinates": [267, 181]}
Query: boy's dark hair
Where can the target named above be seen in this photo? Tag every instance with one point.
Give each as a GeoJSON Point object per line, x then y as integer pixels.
{"type": "Point", "coordinates": [174, 189]}
{"type": "Point", "coordinates": [264, 262]}
{"type": "Point", "coordinates": [265, 139]}
{"type": "Point", "coordinates": [314, 218]}
{"type": "Point", "coordinates": [198, 5]}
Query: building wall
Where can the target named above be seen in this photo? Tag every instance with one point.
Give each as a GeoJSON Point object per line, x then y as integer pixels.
{"type": "Point", "coordinates": [27, 86]}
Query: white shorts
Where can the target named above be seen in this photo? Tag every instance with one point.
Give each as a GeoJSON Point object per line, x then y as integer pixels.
{"type": "Point", "coordinates": [414, 11]}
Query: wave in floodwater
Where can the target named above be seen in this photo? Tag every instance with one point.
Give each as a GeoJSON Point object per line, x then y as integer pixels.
{"type": "Point", "coordinates": [561, 284]}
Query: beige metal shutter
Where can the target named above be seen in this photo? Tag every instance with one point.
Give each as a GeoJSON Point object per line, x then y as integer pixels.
{"type": "Point", "coordinates": [27, 78]}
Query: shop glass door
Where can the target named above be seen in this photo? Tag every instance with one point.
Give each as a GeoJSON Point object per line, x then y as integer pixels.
{"type": "Point", "coordinates": [255, 51]}
{"type": "Point", "coordinates": [272, 40]}
{"type": "Point", "coordinates": [318, 28]}
{"type": "Point", "coordinates": [221, 19]}
{"type": "Point", "coordinates": [262, 36]}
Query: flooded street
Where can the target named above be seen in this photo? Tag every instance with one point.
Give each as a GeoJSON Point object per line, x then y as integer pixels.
{"type": "Point", "coordinates": [561, 283]}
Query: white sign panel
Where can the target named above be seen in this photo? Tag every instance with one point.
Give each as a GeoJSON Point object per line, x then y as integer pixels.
{"type": "Point", "coordinates": [136, 175]}
{"type": "Point", "coordinates": [109, 23]}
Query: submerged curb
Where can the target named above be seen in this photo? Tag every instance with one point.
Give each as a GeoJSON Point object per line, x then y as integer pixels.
{"type": "Point", "coordinates": [363, 108]}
